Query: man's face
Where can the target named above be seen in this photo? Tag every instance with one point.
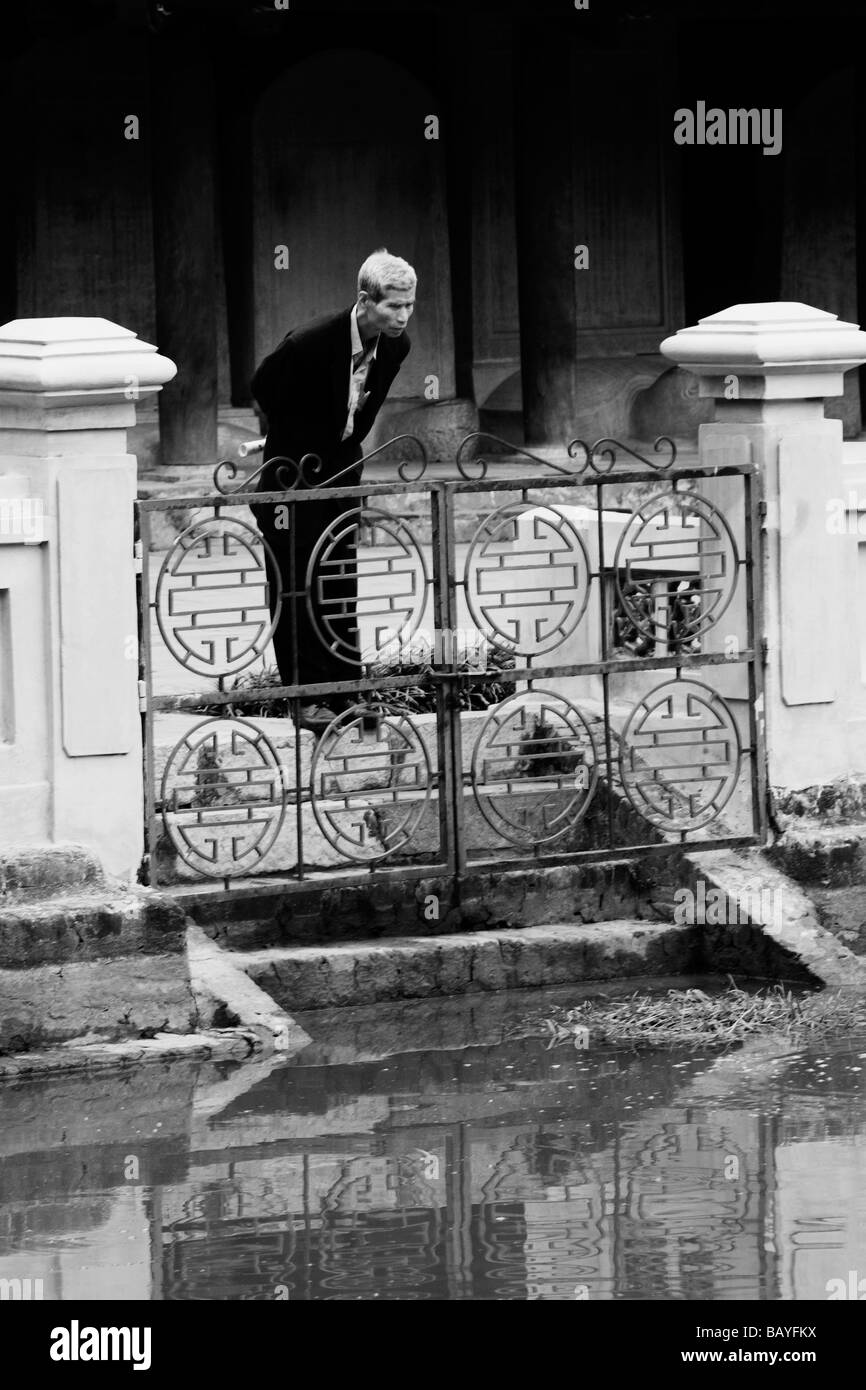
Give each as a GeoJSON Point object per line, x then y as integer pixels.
{"type": "Point", "coordinates": [390, 314]}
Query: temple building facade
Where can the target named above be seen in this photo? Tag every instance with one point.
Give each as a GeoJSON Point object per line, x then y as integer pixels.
{"type": "Point", "coordinates": [211, 175]}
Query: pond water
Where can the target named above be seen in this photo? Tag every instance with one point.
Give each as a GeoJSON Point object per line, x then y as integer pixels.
{"type": "Point", "coordinates": [484, 1167]}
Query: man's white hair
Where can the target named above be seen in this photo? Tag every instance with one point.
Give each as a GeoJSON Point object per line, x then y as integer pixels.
{"type": "Point", "coordinates": [382, 272]}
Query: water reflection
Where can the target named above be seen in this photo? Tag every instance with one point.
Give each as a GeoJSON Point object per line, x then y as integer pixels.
{"type": "Point", "coordinates": [501, 1171]}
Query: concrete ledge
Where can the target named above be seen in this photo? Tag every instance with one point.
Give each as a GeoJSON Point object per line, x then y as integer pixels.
{"type": "Point", "coordinates": [108, 993]}
{"type": "Point", "coordinates": [221, 986]}
{"type": "Point", "coordinates": [104, 1000]}
{"type": "Point", "coordinates": [210, 1044]}
{"type": "Point", "coordinates": [465, 963]}
{"type": "Point", "coordinates": [792, 925]}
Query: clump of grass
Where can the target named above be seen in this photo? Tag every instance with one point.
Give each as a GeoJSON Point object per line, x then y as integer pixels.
{"type": "Point", "coordinates": [261, 678]}
{"type": "Point", "coordinates": [691, 1016]}
{"type": "Point", "coordinates": [485, 690]}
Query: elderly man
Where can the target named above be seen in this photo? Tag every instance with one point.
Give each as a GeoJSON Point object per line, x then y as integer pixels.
{"type": "Point", "coordinates": [321, 390]}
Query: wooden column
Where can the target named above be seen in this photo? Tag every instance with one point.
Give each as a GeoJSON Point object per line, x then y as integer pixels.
{"type": "Point", "coordinates": [17, 171]}
{"type": "Point", "coordinates": [545, 233]}
{"type": "Point", "coordinates": [182, 112]}
{"type": "Point", "coordinates": [859, 141]}
{"type": "Point", "coordinates": [237, 210]}
{"type": "Point", "coordinates": [459, 63]}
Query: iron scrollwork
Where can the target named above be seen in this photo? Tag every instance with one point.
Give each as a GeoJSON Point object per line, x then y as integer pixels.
{"type": "Point", "coordinates": [607, 449]}
{"type": "Point", "coordinates": [405, 464]}
{"type": "Point", "coordinates": [527, 577]}
{"type": "Point", "coordinates": [475, 469]}
{"type": "Point", "coordinates": [370, 797]}
{"type": "Point", "coordinates": [683, 546]}
{"type": "Point", "coordinates": [680, 755]}
{"type": "Point", "coordinates": [535, 767]}
{"type": "Point", "coordinates": [223, 797]}
{"type": "Point", "coordinates": [211, 601]}
{"type": "Point", "coordinates": [291, 474]}
{"type": "Point", "coordinates": [392, 577]}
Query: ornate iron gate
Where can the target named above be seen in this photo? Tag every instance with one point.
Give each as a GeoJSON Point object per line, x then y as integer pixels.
{"type": "Point", "coordinates": [543, 678]}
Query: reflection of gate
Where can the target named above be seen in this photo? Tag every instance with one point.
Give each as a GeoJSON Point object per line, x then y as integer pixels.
{"type": "Point", "coordinates": [543, 678]}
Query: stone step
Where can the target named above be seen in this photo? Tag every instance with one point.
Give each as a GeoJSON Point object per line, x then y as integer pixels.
{"type": "Point", "coordinates": [88, 926]}
{"type": "Point", "coordinates": [132, 995]}
{"type": "Point", "coordinates": [29, 872]}
{"type": "Point", "coordinates": [367, 972]}
{"type": "Point", "coordinates": [842, 802]}
{"type": "Point", "coordinates": [260, 915]}
{"type": "Point", "coordinates": [841, 910]}
{"type": "Point", "coordinates": [815, 852]}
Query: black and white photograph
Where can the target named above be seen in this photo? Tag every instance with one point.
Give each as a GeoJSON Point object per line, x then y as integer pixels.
{"type": "Point", "coordinates": [433, 669]}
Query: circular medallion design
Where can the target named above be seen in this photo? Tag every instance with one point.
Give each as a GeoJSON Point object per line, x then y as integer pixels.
{"type": "Point", "coordinates": [534, 768]}
{"type": "Point", "coordinates": [366, 598]}
{"type": "Point", "coordinates": [223, 797]}
{"type": "Point", "coordinates": [680, 755]}
{"type": "Point", "coordinates": [676, 567]}
{"type": "Point", "coordinates": [527, 578]}
{"type": "Point", "coordinates": [212, 597]}
{"type": "Point", "coordinates": [369, 791]}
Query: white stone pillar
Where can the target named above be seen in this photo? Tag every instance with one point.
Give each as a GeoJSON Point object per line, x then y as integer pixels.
{"type": "Point", "coordinates": [70, 733]}
{"type": "Point", "coordinates": [770, 368]}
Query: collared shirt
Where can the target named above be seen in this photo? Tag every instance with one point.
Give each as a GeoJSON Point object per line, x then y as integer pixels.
{"type": "Point", "coordinates": [362, 356]}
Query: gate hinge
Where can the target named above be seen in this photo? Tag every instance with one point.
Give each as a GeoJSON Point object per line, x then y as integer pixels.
{"type": "Point", "coordinates": [142, 696]}
{"type": "Point", "coordinates": [765, 647]}
{"type": "Point", "coordinates": [762, 508]}
{"type": "Point", "coordinates": [137, 556]}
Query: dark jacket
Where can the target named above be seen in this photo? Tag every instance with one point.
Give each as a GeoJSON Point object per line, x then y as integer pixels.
{"type": "Point", "coordinates": [303, 388]}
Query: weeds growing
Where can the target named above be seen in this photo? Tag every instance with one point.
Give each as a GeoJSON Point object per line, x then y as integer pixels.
{"type": "Point", "coordinates": [692, 1016]}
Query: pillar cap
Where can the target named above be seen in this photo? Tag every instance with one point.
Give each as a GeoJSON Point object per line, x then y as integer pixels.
{"type": "Point", "coordinates": [70, 361]}
{"type": "Point", "coordinates": [781, 350]}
